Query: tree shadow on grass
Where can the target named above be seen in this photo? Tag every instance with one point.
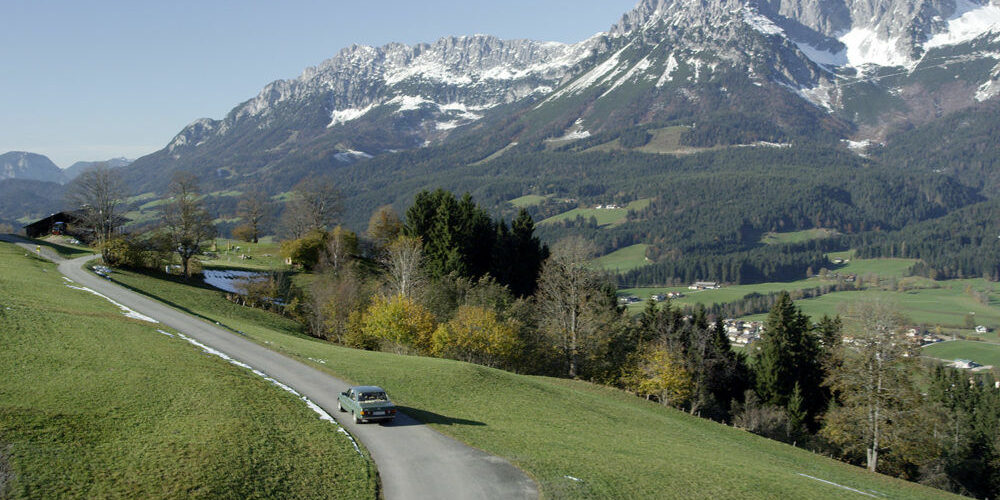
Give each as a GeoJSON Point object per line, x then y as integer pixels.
{"type": "Point", "coordinates": [421, 417]}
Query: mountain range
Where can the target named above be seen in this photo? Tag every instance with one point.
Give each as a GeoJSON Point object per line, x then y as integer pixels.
{"type": "Point", "coordinates": [669, 78]}
{"type": "Point", "coordinates": [834, 70]}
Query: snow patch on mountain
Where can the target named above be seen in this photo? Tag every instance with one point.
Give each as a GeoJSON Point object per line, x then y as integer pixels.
{"type": "Point", "coordinates": [859, 148]}
{"type": "Point", "coordinates": [761, 23]}
{"type": "Point", "coordinates": [865, 46]}
{"type": "Point", "coordinates": [696, 64]}
{"type": "Point", "coordinates": [597, 75]}
{"type": "Point", "coordinates": [641, 67]}
{"type": "Point", "coordinates": [668, 73]}
{"type": "Point", "coordinates": [430, 70]}
{"type": "Point", "coordinates": [350, 156]}
{"type": "Point", "coordinates": [823, 57]}
{"type": "Point", "coordinates": [409, 103]}
{"type": "Point", "coordinates": [345, 115]}
{"type": "Point", "coordinates": [969, 22]}
{"type": "Point", "coordinates": [987, 91]}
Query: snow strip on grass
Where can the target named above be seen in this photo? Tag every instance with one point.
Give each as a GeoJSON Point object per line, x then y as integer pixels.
{"type": "Point", "coordinates": [838, 485]}
{"type": "Point", "coordinates": [125, 310]}
{"type": "Point", "coordinates": [323, 415]}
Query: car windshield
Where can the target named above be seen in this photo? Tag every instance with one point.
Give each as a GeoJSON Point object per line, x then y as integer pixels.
{"type": "Point", "coordinates": [373, 396]}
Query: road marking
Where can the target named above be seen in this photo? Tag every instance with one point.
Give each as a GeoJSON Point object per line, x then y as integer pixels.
{"type": "Point", "coordinates": [838, 485]}
{"type": "Point", "coordinates": [125, 310]}
{"type": "Point", "coordinates": [323, 415]}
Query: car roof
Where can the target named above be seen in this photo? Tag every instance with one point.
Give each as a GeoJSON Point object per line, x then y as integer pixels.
{"type": "Point", "coordinates": [367, 388]}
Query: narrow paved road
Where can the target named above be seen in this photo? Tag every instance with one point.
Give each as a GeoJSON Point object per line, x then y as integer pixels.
{"type": "Point", "coordinates": [413, 460]}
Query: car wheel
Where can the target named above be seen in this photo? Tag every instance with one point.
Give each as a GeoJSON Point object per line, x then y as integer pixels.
{"type": "Point", "coordinates": [340, 407]}
{"type": "Point", "coordinates": [356, 419]}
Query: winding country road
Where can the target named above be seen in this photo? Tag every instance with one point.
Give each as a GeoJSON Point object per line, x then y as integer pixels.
{"type": "Point", "coordinates": [413, 460]}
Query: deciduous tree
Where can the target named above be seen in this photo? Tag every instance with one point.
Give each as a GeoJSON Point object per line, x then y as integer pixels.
{"type": "Point", "coordinates": [573, 303]}
{"type": "Point", "coordinates": [401, 323]}
{"type": "Point", "coordinates": [188, 224]}
{"type": "Point", "coordinates": [661, 374]}
{"type": "Point", "coordinates": [874, 382]}
{"type": "Point", "coordinates": [99, 193]}
{"type": "Point", "coordinates": [384, 227]}
{"type": "Point", "coordinates": [477, 335]}
{"type": "Point", "coordinates": [315, 204]}
{"type": "Point", "coordinates": [403, 259]}
{"type": "Point", "coordinates": [254, 208]}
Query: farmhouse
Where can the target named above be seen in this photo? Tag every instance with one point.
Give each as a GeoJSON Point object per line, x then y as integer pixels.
{"type": "Point", "coordinates": [704, 285]}
{"type": "Point", "coordinates": [965, 364]}
{"type": "Point", "coordinates": [68, 223]}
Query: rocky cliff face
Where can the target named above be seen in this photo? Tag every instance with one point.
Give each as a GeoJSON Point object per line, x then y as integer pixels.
{"type": "Point", "coordinates": [883, 32]}
{"type": "Point", "coordinates": [29, 166]}
{"type": "Point", "coordinates": [449, 83]}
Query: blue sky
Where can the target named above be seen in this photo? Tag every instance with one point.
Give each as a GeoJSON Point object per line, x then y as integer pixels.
{"type": "Point", "coordinates": [91, 80]}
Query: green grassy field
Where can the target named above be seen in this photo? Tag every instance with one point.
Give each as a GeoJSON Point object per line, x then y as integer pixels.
{"type": "Point", "coordinates": [984, 353]}
{"type": "Point", "coordinates": [96, 405]}
{"type": "Point", "coordinates": [624, 259]}
{"type": "Point", "coordinates": [578, 440]}
{"type": "Point", "coordinates": [528, 200]}
{"type": "Point", "coordinates": [663, 141]}
{"type": "Point", "coordinates": [494, 155]}
{"type": "Point", "coordinates": [946, 306]}
{"type": "Point", "coordinates": [264, 255]}
{"type": "Point", "coordinates": [864, 268]}
{"type": "Point", "coordinates": [884, 268]}
{"type": "Point", "coordinates": [797, 236]}
{"type": "Point", "coordinates": [604, 216]}
{"type": "Point", "coordinates": [861, 267]}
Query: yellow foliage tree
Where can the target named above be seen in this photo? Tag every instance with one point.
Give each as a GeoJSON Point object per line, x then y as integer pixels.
{"type": "Point", "coordinates": [661, 374]}
{"type": "Point", "coordinates": [399, 322]}
{"type": "Point", "coordinates": [477, 335]}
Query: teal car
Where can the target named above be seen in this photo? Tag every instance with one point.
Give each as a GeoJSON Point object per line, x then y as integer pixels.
{"type": "Point", "coordinates": [367, 403]}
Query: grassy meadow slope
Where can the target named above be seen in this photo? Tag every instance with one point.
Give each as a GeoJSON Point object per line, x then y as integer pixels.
{"type": "Point", "coordinates": [95, 404]}
{"type": "Point", "coordinates": [577, 439]}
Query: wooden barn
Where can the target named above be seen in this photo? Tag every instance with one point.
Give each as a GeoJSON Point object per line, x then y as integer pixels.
{"type": "Point", "coordinates": [69, 223]}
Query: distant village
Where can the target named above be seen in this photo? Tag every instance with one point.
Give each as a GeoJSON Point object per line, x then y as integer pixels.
{"type": "Point", "coordinates": [743, 333]}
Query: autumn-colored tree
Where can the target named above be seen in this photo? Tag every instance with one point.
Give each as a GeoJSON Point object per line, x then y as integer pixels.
{"type": "Point", "coordinates": [661, 374]}
{"type": "Point", "coordinates": [244, 232]}
{"type": "Point", "coordinates": [384, 226]}
{"type": "Point", "coordinates": [254, 208]}
{"type": "Point", "coordinates": [401, 323]}
{"type": "Point", "coordinates": [336, 301]}
{"type": "Point", "coordinates": [477, 335]}
{"type": "Point", "coordinates": [305, 251]}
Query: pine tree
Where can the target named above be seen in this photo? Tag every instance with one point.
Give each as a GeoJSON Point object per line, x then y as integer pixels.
{"type": "Point", "coordinates": [788, 354]}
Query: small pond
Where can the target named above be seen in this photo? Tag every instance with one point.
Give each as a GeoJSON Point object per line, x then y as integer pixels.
{"type": "Point", "coordinates": [229, 279]}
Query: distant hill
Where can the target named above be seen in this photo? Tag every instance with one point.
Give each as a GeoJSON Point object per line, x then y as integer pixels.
{"type": "Point", "coordinates": [29, 166]}
{"type": "Point", "coordinates": [79, 167]}
{"type": "Point", "coordinates": [25, 199]}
